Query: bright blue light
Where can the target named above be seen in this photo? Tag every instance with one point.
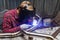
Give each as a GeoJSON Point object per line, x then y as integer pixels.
{"type": "Point", "coordinates": [35, 22]}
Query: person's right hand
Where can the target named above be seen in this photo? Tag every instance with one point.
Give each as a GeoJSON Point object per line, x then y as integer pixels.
{"type": "Point", "coordinates": [25, 26]}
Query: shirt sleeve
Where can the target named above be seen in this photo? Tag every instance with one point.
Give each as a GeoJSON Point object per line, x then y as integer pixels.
{"type": "Point", "coordinates": [7, 25]}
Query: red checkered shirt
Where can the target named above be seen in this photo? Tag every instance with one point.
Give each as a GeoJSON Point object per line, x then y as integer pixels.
{"type": "Point", "coordinates": [10, 24]}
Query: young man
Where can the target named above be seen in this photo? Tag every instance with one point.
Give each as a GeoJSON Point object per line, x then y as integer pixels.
{"type": "Point", "coordinates": [15, 17]}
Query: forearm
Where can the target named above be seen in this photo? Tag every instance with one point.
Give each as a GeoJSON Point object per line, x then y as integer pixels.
{"type": "Point", "coordinates": [12, 30]}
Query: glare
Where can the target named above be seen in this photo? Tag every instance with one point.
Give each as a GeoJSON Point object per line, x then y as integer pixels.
{"type": "Point", "coordinates": [34, 22]}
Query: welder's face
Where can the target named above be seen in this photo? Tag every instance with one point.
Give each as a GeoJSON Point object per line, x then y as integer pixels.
{"type": "Point", "coordinates": [26, 14]}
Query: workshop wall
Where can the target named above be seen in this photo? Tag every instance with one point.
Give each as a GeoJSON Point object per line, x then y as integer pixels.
{"type": "Point", "coordinates": [43, 7]}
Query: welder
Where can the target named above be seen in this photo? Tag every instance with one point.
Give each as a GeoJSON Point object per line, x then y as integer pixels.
{"type": "Point", "coordinates": [15, 18]}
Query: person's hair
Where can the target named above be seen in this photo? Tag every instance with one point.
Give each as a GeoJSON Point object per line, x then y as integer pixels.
{"type": "Point", "coordinates": [22, 4]}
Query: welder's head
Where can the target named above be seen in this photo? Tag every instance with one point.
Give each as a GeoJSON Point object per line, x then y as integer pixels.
{"type": "Point", "coordinates": [26, 10]}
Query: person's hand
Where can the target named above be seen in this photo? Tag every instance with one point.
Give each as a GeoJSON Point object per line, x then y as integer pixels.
{"type": "Point", "coordinates": [25, 26]}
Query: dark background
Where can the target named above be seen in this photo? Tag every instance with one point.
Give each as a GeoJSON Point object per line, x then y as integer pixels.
{"type": "Point", "coordinates": [44, 8]}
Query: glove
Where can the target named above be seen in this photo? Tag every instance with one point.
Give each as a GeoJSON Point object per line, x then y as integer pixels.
{"type": "Point", "coordinates": [25, 26]}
